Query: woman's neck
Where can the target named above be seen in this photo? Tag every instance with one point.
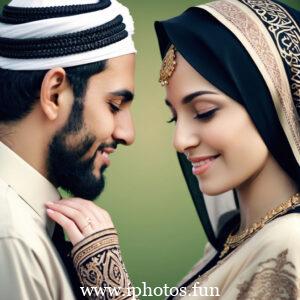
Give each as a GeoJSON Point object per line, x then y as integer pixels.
{"type": "Point", "coordinates": [263, 192]}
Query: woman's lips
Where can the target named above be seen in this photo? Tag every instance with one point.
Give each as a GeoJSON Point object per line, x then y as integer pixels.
{"type": "Point", "coordinates": [202, 164]}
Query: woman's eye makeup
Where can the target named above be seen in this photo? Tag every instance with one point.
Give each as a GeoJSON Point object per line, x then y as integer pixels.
{"type": "Point", "coordinates": [200, 116]}
{"type": "Point", "coordinates": [207, 115]}
{"type": "Point", "coordinates": [173, 119]}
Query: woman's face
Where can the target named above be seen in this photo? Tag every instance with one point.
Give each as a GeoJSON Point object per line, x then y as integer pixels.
{"type": "Point", "coordinates": [213, 131]}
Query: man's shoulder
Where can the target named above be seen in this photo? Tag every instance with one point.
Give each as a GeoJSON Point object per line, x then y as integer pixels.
{"type": "Point", "coordinates": [17, 218]}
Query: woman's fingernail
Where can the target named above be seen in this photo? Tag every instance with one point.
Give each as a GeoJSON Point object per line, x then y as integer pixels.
{"type": "Point", "coordinates": [50, 211]}
{"type": "Point", "coordinates": [50, 203]}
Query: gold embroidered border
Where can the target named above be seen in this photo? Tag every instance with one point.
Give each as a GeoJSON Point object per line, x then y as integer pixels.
{"type": "Point", "coordinates": [95, 246]}
{"type": "Point", "coordinates": [247, 27]}
{"type": "Point", "coordinates": [96, 235]}
{"type": "Point", "coordinates": [286, 33]}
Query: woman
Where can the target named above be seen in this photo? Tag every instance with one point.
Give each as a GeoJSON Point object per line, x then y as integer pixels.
{"type": "Point", "coordinates": [231, 70]}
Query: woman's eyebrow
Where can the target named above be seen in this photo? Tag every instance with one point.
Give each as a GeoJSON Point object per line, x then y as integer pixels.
{"type": "Point", "coordinates": [190, 97]}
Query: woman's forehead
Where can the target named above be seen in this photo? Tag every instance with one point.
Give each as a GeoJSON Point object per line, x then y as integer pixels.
{"type": "Point", "coordinates": [184, 73]}
{"type": "Point", "coordinates": [186, 80]}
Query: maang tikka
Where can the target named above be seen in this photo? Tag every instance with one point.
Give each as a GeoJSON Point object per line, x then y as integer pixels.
{"type": "Point", "coordinates": [168, 66]}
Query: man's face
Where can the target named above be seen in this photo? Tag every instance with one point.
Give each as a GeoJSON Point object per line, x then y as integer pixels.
{"type": "Point", "coordinates": [79, 152]}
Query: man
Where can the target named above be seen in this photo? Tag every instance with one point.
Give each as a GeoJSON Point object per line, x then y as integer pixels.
{"type": "Point", "coordinates": [66, 80]}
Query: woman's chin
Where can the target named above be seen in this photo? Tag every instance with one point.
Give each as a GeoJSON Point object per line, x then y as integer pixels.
{"type": "Point", "coordinates": [213, 188]}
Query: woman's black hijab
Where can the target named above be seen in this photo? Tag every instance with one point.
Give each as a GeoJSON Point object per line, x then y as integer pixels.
{"type": "Point", "coordinates": [214, 50]}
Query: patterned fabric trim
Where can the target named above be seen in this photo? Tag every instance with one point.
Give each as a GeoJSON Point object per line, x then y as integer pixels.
{"type": "Point", "coordinates": [92, 243]}
{"type": "Point", "coordinates": [286, 34]}
{"type": "Point", "coordinates": [99, 265]}
{"type": "Point", "coordinates": [247, 27]}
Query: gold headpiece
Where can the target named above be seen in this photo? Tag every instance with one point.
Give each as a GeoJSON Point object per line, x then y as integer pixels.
{"type": "Point", "coordinates": [168, 66]}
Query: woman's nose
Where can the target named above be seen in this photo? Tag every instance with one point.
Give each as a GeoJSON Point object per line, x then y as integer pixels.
{"type": "Point", "coordinates": [184, 137]}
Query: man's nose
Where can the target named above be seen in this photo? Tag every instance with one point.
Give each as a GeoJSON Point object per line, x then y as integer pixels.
{"type": "Point", "coordinates": [124, 129]}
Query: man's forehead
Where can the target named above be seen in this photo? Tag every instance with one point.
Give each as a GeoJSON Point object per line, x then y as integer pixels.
{"type": "Point", "coordinates": [122, 61]}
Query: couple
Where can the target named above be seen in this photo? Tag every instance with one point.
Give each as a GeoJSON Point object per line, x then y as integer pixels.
{"type": "Point", "coordinates": [230, 69]}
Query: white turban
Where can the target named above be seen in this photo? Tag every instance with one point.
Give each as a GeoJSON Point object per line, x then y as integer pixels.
{"type": "Point", "coordinates": [42, 34]}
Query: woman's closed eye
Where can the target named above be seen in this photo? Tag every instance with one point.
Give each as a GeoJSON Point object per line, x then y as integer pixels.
{"type": "Point", "coordinates": [200, 116]}
{"type": "Point", "coordinates": [173, 119]}
{"type": "Point", "coordinates": [206, 115]}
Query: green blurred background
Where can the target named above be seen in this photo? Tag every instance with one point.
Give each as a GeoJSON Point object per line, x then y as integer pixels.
{"type": "Point", "coordinates": [160, 234]}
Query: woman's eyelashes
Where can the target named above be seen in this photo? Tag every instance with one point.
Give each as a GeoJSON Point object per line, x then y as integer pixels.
{"type": "Point", "coordinates": [207, 115]}
{"type": "Point", "coordinates": [200, 116]}
{"type": "Point", "coordinates": [173, 119]}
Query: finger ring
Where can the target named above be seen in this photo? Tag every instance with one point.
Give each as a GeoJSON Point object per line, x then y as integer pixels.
{"type": "Point", "coordinates": [89, 222]}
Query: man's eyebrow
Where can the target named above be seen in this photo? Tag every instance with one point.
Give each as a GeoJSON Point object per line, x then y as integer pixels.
{"type": "Point", "coordinates": [189, 98]}
{"type": "Point", "coordinates": [125, 94]}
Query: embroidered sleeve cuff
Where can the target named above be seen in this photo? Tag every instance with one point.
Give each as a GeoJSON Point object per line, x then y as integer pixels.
{"type": "Point", "coordinates": [96, 242]}
{"type": "Point", "coordinates": [99, 265]}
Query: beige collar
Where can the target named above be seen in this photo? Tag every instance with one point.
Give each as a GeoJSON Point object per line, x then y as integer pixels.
{"type": "Point", "coordinates": [29, 184]}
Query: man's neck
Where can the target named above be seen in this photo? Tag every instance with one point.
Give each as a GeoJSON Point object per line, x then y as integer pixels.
{"type": "Point", "coordinates": [27, 141]}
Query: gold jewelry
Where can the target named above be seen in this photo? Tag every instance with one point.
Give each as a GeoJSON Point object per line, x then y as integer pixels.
{"type": "Point", "coordinates": [235, 240]}
{"type": "Point", "coordinates": [89, 223]}
{"type": "Point", "coordinates": [168, 66]}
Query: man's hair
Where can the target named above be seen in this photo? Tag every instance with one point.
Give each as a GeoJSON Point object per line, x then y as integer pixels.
{"type": "Point", "coordinates": [20, 90]}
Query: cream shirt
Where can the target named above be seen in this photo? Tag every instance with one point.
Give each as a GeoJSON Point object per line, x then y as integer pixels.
{"type": "Point", "coordinates": [30, 267]}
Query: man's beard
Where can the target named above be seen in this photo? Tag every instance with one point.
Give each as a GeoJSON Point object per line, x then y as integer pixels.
{"type": "Point", "coordinates": [66, 168]}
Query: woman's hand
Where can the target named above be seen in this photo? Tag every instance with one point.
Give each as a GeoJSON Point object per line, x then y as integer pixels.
{"type": "Point", "coordinates": [78, 217]}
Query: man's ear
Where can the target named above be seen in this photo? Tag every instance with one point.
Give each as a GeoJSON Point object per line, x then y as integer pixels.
{"type": "Point", "coordinates": [53, 86]}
